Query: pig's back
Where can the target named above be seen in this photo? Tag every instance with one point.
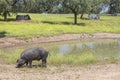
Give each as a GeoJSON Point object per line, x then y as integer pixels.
{"type": "Point", "coordinates": [31, 54]}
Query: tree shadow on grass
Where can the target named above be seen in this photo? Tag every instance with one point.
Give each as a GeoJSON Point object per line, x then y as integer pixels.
{"type": "Point", "coordinates": [64, 23]}
{"type": "Point", "coordinates": [8, 20]}
{"type": "Point", "coordinates": [3, 34]}
{"type": "Point", "coordinates": [84, 18]}
{"type": "Point", "coordinates": [49, 22]}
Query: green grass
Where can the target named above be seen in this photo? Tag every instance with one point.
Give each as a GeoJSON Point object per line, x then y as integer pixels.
{"type": "Point", "coordinates": [54, 59]}
{"type": "Point", "coordinates": [11, 57]}
{"type": "Point", "coordinates": [58, 59]}
{"type": "Point", "coordinates": [56, 24]}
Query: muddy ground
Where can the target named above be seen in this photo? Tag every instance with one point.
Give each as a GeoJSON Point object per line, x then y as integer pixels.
{"type": "Point", "coordinates": [64, 72]}
{"type": "Point", "coordinates": [13, 41]}
{"type": "Point", "coordinates": [104, 71]}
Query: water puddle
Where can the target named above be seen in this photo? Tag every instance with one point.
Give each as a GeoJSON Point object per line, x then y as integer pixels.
{"type": "Point", "coordinates": [100, 48]}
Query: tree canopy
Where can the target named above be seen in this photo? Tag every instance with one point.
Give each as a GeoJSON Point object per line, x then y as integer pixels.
{"type": "Point", "coordinates": [114, 6]}
{"type": "Point", "coordinates": [7, 6]}
{"type": "Point", "coordinates": [58, 6]}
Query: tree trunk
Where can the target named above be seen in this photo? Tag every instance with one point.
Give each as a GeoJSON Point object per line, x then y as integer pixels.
{"type": "Point", "coordinates": [75, 18]}
{"type": "Point", "coordinates": [81, 17]}
{"type": "Point", "coordinates": [5, 16]}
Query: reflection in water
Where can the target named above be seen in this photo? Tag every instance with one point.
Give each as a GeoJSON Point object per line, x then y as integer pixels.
{"type": "Point", "coordinates": [91, 44]}
{"type": "Point", "coordinates": [65, 49]}
{"type": "Point", "coordinates": [102, 49]}
{"type": "Point", "coordinates": [79, 46]}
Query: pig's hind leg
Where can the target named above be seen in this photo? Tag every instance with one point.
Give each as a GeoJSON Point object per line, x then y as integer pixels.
{"type": "Point", "coordinates": [26, 63]}
{"type": "Point", "coordinates": [30, 64]}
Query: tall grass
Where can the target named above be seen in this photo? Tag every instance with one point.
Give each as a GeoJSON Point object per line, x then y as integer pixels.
{"type": "Point", "coordinates": [53, 59]}
{"type": "Point", "coordinates": [56, 24]}
{"type": "Point", "coordinates": [1, 53]}
{"type": "Point", "coordinates": [56, 59]}
{"type": "Point", "coordinates": [10, 57]}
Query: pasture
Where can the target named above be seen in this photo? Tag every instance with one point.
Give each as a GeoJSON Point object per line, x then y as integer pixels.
{"type": "Point", "coordinates": [57, 24]}
{"type": "Point", "coordinates": [63, 67]}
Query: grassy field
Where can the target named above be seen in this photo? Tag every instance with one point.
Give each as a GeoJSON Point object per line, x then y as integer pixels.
{"type": "Point", "coordinates": [56, 24]}
{"type": "Point", "coordinates": [10, 57]}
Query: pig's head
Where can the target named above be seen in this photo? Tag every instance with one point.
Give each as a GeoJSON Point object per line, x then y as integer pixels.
{"type": "Point", "coordinates": [20, 62]}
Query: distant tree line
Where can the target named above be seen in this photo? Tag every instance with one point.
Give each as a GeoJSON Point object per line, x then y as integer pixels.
{"type": "Point", "coordinates": [58, 6]}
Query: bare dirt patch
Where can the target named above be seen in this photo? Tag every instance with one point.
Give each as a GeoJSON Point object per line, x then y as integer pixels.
{"type": "Point", "coordinates": [8, 42]}
{"type": "Point", "coordinates": [65, 72]}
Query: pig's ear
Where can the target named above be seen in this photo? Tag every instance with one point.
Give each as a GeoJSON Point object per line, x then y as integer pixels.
{"type": "Point", "coordinates": [17, 60]}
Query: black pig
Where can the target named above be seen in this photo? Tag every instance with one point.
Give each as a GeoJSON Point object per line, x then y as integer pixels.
{"type": "Point", "coordinates": [31, 54]}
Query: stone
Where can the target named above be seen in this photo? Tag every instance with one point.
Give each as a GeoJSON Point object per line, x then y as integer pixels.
{"type": "Point", "coordinates": [23, 17]}
{"type": "Point", "coordinates": [93, 16]}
